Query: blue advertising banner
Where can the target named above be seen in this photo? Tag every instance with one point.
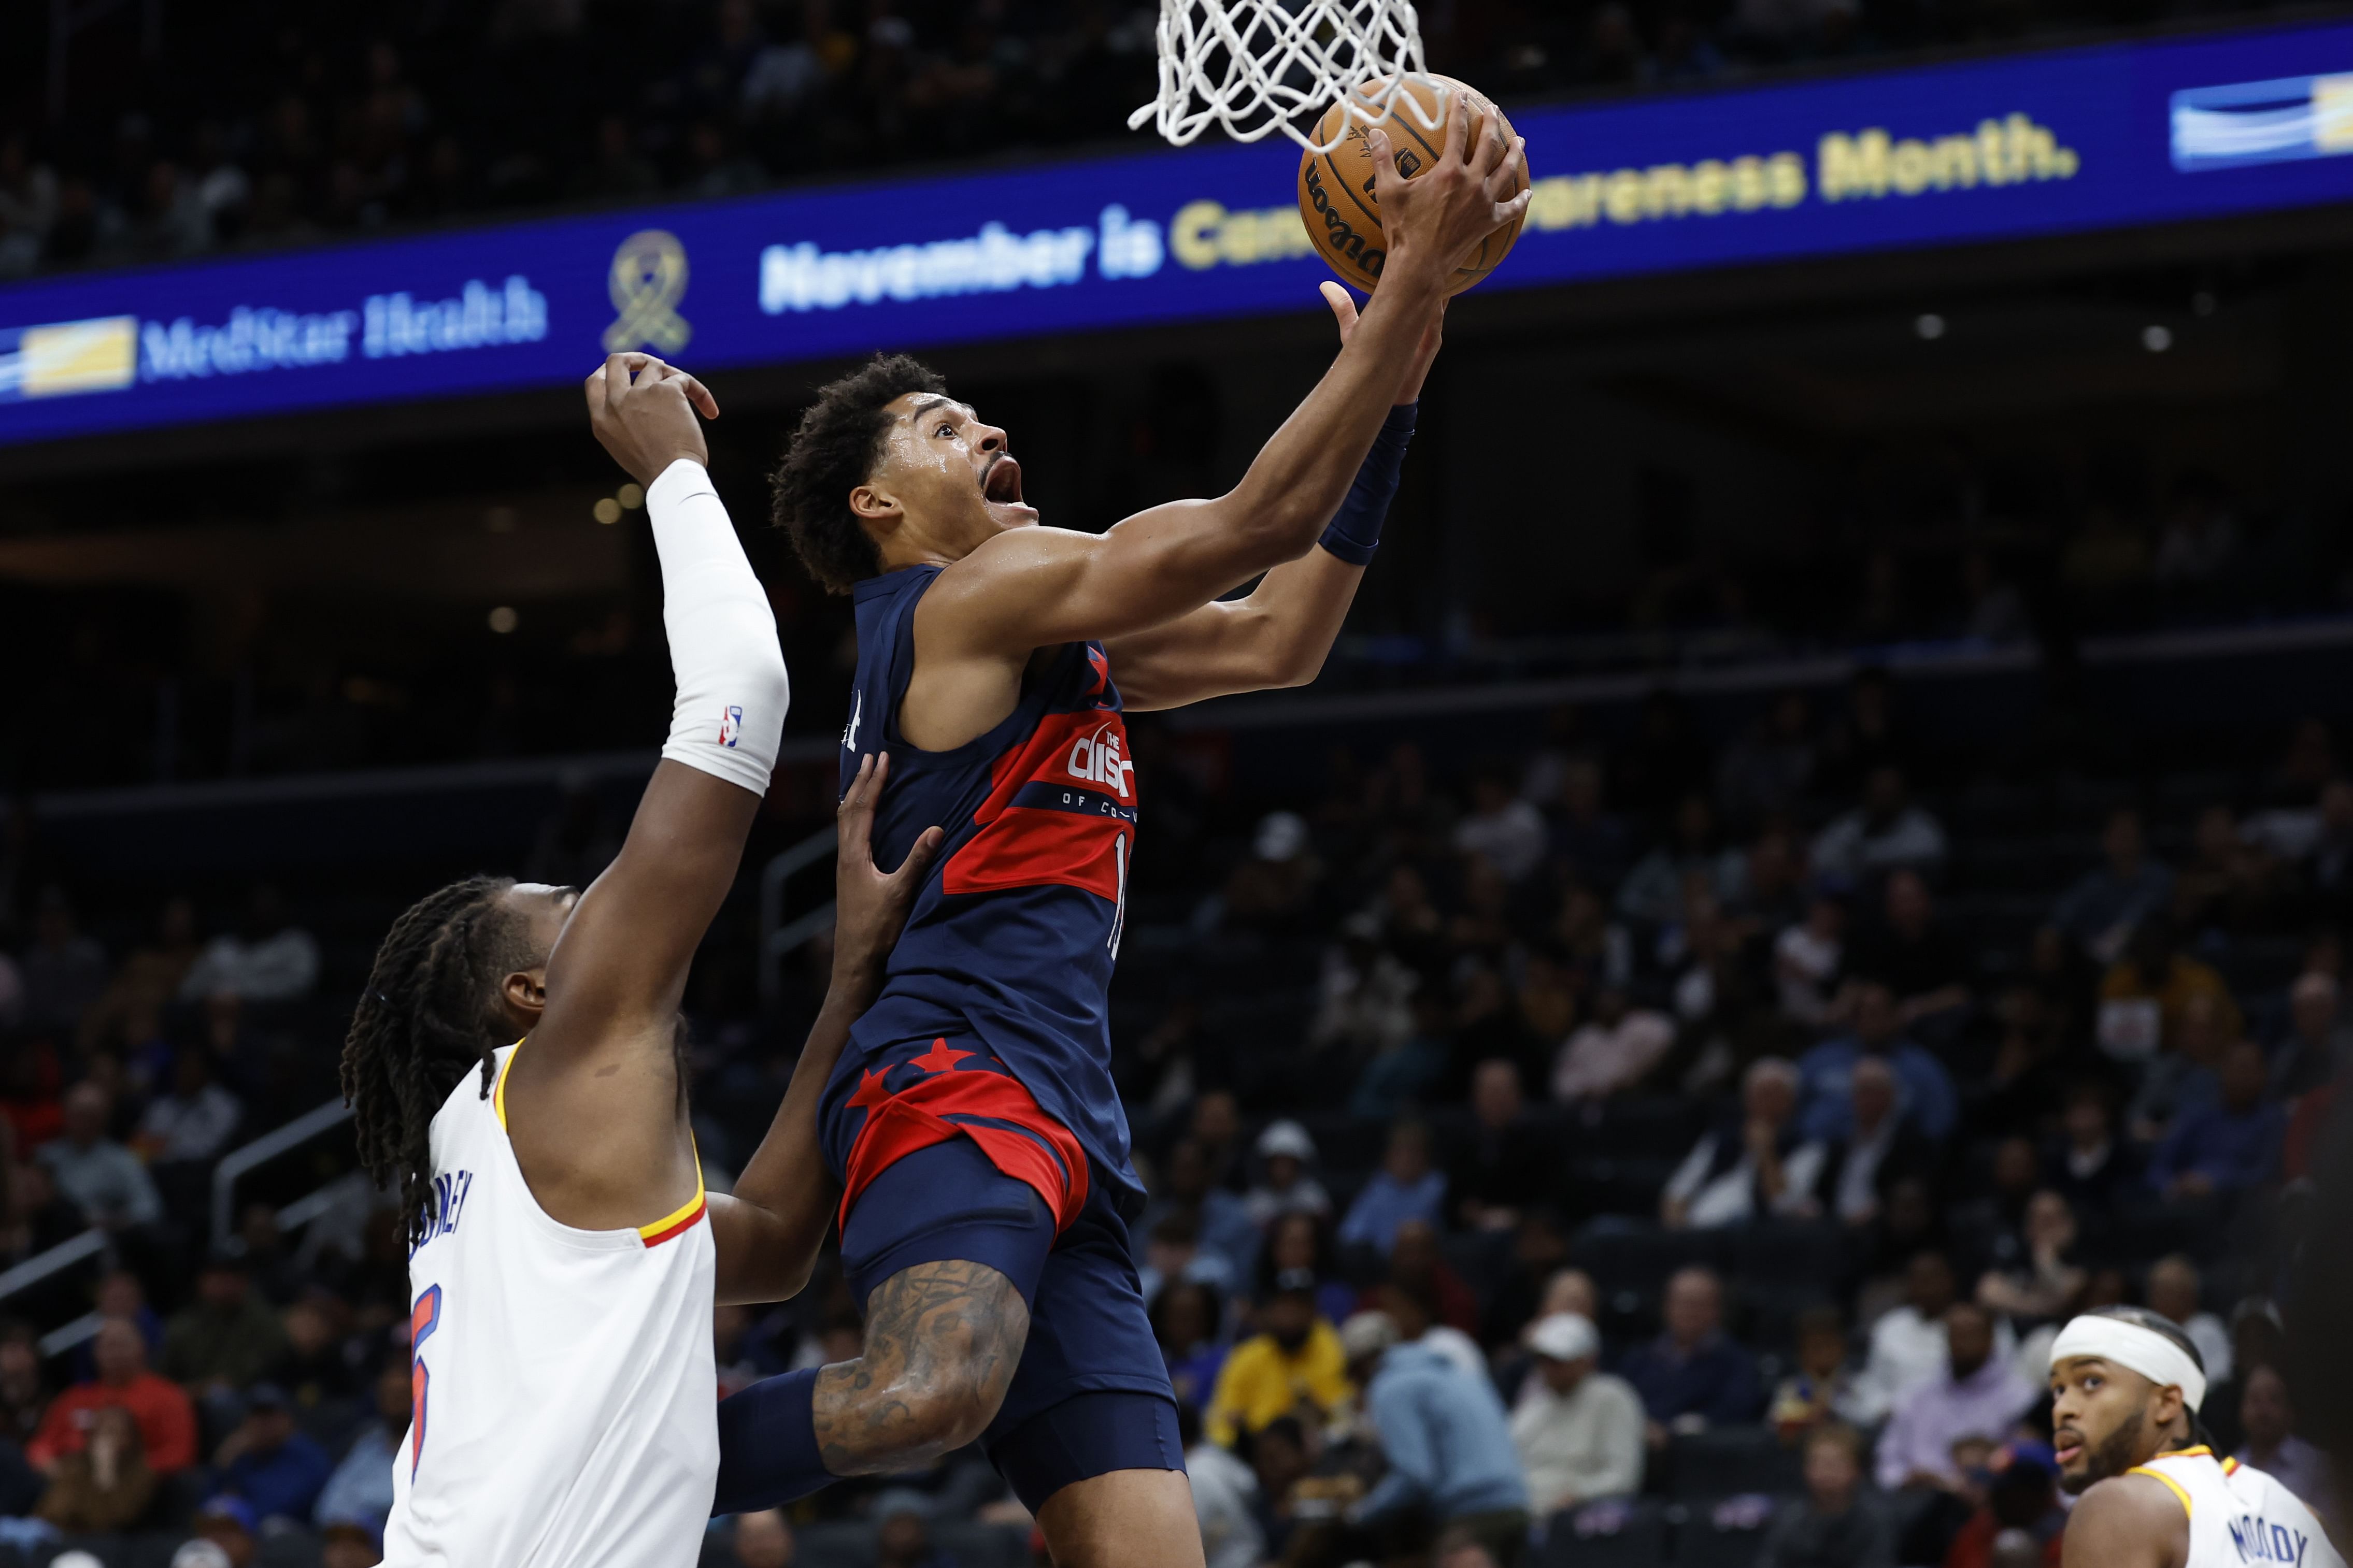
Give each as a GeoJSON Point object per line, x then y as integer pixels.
{"type": "Point", "coordinates": [2035, 144]}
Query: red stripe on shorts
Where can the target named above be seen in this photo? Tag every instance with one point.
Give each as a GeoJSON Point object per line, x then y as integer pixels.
{"type": "Point", "coordinates": [916, 1117]}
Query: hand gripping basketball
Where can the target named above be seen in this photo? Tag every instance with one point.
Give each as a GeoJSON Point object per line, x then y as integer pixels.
{"type": "Point", "coordinates": [1436, 121]}
{"type": "Point", "coordinates": [1436, 219]}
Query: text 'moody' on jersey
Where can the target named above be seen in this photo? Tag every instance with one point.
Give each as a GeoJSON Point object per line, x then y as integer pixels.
{"type": "Point", "coordinates": [1014, 936]}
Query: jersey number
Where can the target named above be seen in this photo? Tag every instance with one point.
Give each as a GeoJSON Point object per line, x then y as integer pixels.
{"type": "Point", "coordinates": [423, 1320]}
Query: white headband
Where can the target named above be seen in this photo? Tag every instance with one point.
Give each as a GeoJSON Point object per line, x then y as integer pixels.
{"type": "Point", "coordinates": [2144, 1351]}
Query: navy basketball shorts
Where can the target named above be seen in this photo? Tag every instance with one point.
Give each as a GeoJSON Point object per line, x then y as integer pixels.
{"type": "Point", "coordinates": [944, 1157]}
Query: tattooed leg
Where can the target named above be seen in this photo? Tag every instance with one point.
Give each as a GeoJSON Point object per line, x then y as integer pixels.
{"type": "Point", "coordinates": [942, 1343]}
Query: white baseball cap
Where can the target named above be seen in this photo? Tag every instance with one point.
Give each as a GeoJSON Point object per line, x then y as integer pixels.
{"type": "Point", "coordinates": [1565, 1336]}
{"type": "Point", "coordinates": [1285, 1137]}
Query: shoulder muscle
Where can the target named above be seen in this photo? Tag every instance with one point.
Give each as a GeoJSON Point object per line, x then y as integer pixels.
{"type": "Point", "coordinates": [2129, 1522]}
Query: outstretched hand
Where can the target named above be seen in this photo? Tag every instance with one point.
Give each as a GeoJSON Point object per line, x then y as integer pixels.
{"type": "Point", "coordinates": [871, 905]}
{"type": "Point", "coordinates": [1344, 309]}
{"type": "Point", "coordinates": [1433, 220]}
{"type": "Point", "coordinates": [643, 411]}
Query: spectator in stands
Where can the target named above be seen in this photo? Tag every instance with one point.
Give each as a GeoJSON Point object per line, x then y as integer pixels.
{"type": "Point", "coordinates": [2273, 1446]}
{"type": "Point", "coordinates": [1979, 1395]}
{"type": "Point", "coordinates": [1826, 1105]}
{"type": "Point", "coordinates": [1821, 1382]}
{"type": "Point", "coordinates": [167, 1422]}
{"type": "Point", "coordinates": [266, 959]}
{"type": "Point", "coordinates": [227, 1524]}
{"type": "Point", "coordinates": [1807, 959]}
{"type": "Point", "coordinates": [361, 1486]}
{"type": "Point", "coordinates": [1577, 1429]}
{"type": "Point", "coordinates": [1539, 1248]}
{"type": "Point", "coordinates": [2224, 1148]}
{"type": "Point", "coordinates": [1445, 1438]}
{"type": "Point", "coordinates": [105, 1486]}
{"type": "Point", "coordinates": [2022, 1515]}
{"type": "Point", "coordinates": [1224, 1488]}
{"type": "Point", "coordinates": [1907, 1342]}
{"type": "Point", "coordinates": [2155, 982]}
{"type": "Point", "coordinates": [1883, 1149]}
{"type": "Point", "coordinates": [273, 1465]}
{"type": "Point", "coordinates": [227, 1337]}
{"type": "Point", "coordinates": [1173, 1251]}
{"type": "Point", "coordinates": [64, 971]}
{"type": "Point", "coordinates": [2229, 883]}
{"type": "Point", "coordinates": [1613, 1051]}
{"type": "Point", "coordinates": [193, 1123]}
{"type": "Point", "coordinates": [1839, 1523]}
{"type": "Point", "coordinates": [100, 1177]}
{"type": "Point", "coordinates": [1294, 1360]}
{"type": "Point", "coordinates": [1185, 1321]}
{"type": "Point", "coordinates": [1506, 1162]}
{"type": "Point", "coordinates": [2098, 914]}
{"type": "Point", "coordinates": [2183, 1075]}
{"type": "Point", "coordinates": [1591, 845]}
{"type": "Point", "coordinates": [1652, 892]}
{"type": "Point", "coordinates": [2328, 865]}
{"type": "Point", "coordinates": [24, 1387]}
{"type": "Point", "coordinates": [1222, 1227]}
{"type": "Point", "coordinates": [1501, 827]}
{"type": "Point", "coordinates": [1301, 1245]}
{"type": "Point", "coordinates": [1692, 1376]}
{"type": "Point", "coordinates": [762, 1539]}
{"type": "Point", "coordinates": [1285, 1152]}
{"type": "Point", "coordinates": [2042, 1283]}
{"type": "Point", "coordinates": [1886, 833]}
{"type": "Point", "coordinates": [2176, 1291]}
{"type": "Point", "coordinates": [1755, 1167]}
{"type": "Point", "coordinates": [1403, 1188]}
{"type": "Point", "coordinates": [2258, 1339]}
{"type": "Point", "coordinates": [1764, 773]}
{"type": "Point", "coordinates": [1280, 1455]}
{"type": "Point", "coordinates": [2087, 1164]}
{"type": "Point", "coordinates": [2318, 1040]}
{"type": "Point", "coordinates": [1415, 1303]}
{"type": "Point", "coordinates": [145, 983]}
{"type": "Point", "coordinates": [1922, 961]}
{"type": "Point", "coordinates": [1367, 992]}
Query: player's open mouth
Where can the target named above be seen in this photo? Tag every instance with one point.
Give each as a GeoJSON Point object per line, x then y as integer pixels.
{"type": "Point", "coordinates": [1002, 482]}
{"type": "Point", "coordinates": [2066, 1452]}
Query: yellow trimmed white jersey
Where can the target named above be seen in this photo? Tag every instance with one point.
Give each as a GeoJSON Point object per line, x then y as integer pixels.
{"type": "Point", "coordinates": [2240, 1515]}
{"type": "Point", "coordinates": [564, 1395]}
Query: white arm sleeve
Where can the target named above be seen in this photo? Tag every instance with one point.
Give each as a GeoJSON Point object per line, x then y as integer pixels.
{"type": "Point", "coordinates": [731, 690]}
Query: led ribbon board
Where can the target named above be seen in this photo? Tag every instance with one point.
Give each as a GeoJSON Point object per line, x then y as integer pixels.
{"type": "Point", "coordinates": [2020, 145]}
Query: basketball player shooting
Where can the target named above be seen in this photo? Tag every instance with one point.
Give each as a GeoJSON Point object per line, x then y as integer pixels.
{"type": "Point", "coordinates": [562, 1273]}
{"type": "Point", "coordinates": [973, 1122]}
{"type": "Point", "coordinates": [2126, 1385]}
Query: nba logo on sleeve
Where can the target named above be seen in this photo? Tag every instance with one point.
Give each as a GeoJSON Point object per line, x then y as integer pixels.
{"type": "Point", "coordinates": [731, 726]}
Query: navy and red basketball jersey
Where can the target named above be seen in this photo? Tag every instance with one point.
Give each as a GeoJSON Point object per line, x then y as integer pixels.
{"type": "Point", "coordinates": [1013, 938]}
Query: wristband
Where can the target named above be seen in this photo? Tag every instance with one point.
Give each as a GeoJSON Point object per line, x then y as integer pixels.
{"type": "Point", "coordinates": [1354, 531]}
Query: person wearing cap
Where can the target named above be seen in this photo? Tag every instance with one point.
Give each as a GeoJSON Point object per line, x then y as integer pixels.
{"type": "Point", "coordinates": [350, 1543]}
{"type": "Point", "coordinates": [2126, 1385]}
{"type": "Point", "coordinates": [1579, 1429]}
{"type": "Point", "coordinates": [1446, 1440]}
{"type": "Point", "coordinates": [227, 1525]}
{"type": "Point", "coordinates": [1285, 1151]}
{"type": "Point", "coordinates": [276, 1468]}
{"type": "Point", "coordinates": [1293, 1360]}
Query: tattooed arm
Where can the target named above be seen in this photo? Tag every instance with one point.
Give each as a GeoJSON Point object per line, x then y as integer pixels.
{"type": "Point", "coordinates": [942, 1342]}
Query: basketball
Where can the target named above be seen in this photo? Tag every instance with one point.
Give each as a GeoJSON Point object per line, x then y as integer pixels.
{"type": "Point", "coordinates": [1336, 188]}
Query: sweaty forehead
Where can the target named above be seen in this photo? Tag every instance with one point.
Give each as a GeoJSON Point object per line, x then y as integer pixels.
{"type": "Point", "coordinates": [911, 406]}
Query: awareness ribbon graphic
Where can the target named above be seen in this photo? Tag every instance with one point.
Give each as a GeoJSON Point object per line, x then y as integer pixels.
{"type": "Point", "coordinates": [649, 279]}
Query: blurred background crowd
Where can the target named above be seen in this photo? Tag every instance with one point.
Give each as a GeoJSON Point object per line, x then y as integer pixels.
{"type": "Point", "coordinates": [1694, 1139]}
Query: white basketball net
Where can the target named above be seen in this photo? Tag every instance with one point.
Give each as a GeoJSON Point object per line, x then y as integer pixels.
{"type": "Point", "coordinates": [1255, 65]}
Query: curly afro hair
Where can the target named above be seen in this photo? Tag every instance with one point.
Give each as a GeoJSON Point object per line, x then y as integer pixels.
{"type": "Point", "coordinates": [831, 453]}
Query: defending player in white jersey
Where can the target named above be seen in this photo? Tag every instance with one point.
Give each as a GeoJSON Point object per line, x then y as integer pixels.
{"type": "Point", "coordinates": [2126, 1385]}
{"type": "Point", "coordinates": [561, 1268]}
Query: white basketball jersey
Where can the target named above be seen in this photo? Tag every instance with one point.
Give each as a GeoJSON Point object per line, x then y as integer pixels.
{"type": "Point", "coordinates": [2239, 1515]}
{"type": "Point", "coordinates": [564, 1392]}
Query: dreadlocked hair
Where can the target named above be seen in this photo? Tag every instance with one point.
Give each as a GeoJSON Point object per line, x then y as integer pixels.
{"type": "Point", "coordinates": [429, 1016]}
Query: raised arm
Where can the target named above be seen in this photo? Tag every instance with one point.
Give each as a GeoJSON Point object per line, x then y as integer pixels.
{"type": "Point", "coordinates": [1280, 632]}
{"type": "Point", "coordinates": [621, 962]}
{"type": "Point", "coordinates": [1031, 588]}
{"type": "Point", "coordinates": [770, 1229]}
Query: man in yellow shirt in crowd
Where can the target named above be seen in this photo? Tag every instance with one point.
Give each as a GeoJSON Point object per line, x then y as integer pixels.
{"type": "Point", "coordinates": [1295, 1360]}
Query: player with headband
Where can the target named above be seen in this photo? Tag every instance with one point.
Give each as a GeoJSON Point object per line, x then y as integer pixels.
{"type": "Point", "coordinates": [2126, 1385]}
